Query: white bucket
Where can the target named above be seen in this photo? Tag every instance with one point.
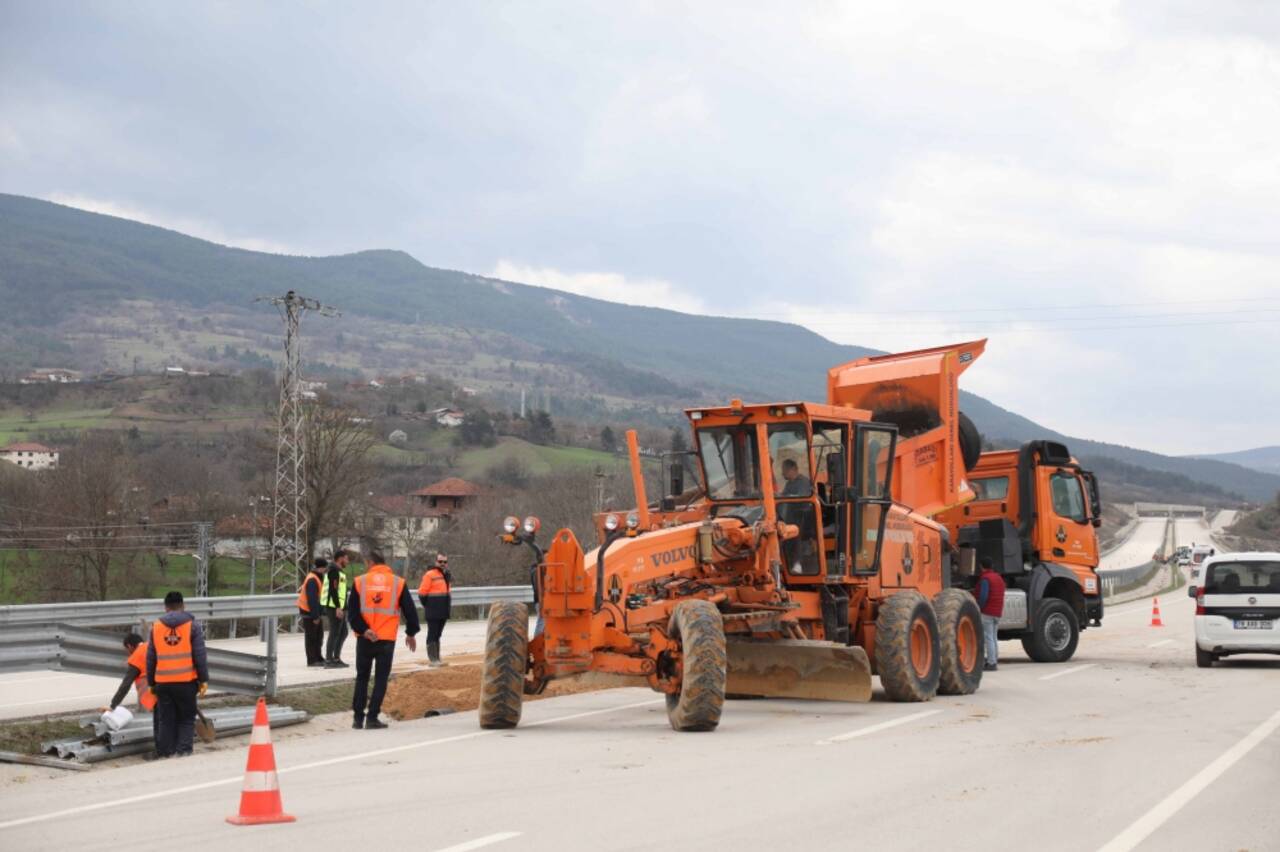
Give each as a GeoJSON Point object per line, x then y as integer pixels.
{"type": "Point", "coordinates": [117, 718]}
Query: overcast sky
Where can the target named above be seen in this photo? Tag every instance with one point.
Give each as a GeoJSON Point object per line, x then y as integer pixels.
{"type": "Point", "coordinates": [1094, 185]}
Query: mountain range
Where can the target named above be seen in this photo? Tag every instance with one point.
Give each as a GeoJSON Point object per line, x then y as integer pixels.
{"type": "Point", "coordinates": [97, 290]}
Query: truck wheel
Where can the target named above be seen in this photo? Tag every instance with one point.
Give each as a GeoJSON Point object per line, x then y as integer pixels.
{"type": "Point", "coordinates": [907, 648]}
{"type": "Point", "coordinates": [1055, 632]}
{"type": "Point", "coordinates": [1205, 659]}
{"type": "Point", "coordinates": [506, 656]}
{"type": "Point", "coordinates": [960, 640]}
{"type": "Point", "coordinates": [700, 629]}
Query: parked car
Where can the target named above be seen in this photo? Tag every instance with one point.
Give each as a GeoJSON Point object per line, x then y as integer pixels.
{"type": "Point", "coordinates": [1237, 606]}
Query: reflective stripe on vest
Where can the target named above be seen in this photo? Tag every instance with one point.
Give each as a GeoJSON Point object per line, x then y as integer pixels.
{"type": "Point", "coordinates": [302, 591]}
{"type": "Point", "coordinates": [138, 659]}
{"type": "Point", "coordinates": [380, 593]}
{"type": "Point", "coordinates": [174, 663]}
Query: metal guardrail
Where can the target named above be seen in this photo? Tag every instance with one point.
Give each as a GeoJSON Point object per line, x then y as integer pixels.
{"type": "Point", "coordinates": [100, 613]}
{"type": "Point", "coordinates": [63, 647]}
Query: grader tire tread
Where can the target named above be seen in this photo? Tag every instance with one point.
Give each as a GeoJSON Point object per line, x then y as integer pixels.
{"type": "Point", "coordinates": [506, 656]}
{"type": "Point", "coordinates": [701, 698]}
{"type": "Point", "coordinates": [952, 605]}
{"type": "Point", "coordinates": [893, 649]}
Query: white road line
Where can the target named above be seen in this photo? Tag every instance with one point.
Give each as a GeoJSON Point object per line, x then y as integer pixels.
{"type": "Point", "coordinates": [874, 729]}
{"type": "Point", "coordinates": [1066, 672]}
{"type": "Point", "coordinates": [1174, 802]}
{"type": "Point", "coordinates": [1161, 642]}
{"type": "Point", "coordinates": [480, 842]}
{"type": "Point", "coordinates": [346, 758]}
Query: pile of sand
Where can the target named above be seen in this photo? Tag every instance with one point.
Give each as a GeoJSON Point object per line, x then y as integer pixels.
{"type": "Point", "coordinates": [457, 688]}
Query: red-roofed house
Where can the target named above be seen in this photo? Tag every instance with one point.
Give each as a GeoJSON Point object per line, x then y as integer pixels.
{"type": "Point", "coordinates": [30, 455]}
{"type": "Point", "coordinates": [448, 494]}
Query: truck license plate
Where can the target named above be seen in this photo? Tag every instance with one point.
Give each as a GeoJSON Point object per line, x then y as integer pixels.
{"type": "Point", "coordinates": [1252, 624]}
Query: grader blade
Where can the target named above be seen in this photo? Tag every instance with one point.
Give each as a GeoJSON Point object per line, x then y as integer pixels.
{"type": "Point", "coordinates": [795, 668]}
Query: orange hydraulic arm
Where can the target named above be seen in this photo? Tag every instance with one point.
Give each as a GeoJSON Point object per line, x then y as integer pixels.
{"type": "Point", "coordinates": [919, 392]}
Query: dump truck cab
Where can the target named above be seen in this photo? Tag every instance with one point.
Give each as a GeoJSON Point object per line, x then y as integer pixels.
{"type": "Point", "coordinates": [1034, 514]}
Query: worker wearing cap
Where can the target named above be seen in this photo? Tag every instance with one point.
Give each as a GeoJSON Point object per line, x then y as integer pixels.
{"type": "Point", "coordinates": [437, 603]}
{"type": "Point", "coordinates": [135, 675]}
{"type": "Point", "coordinates": [312, 613]}
{"type": "Point", "coordinates": [178, 671]}
{"type": "Point", "coordinates": [377, 601]}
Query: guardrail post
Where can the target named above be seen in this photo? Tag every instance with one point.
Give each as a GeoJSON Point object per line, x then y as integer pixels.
{"type": "Point", "coordinates": [271, 655]}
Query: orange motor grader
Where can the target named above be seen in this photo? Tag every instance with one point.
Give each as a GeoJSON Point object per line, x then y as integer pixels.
{"type": "Point", "coordinates": [790, 571]}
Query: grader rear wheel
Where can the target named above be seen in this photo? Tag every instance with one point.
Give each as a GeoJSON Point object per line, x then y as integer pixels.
{"type": "Point", "coordinates": [907, 647]}
{"type": "Point", "coordinates": [506, 656]}
{"type": "Point", "coordinates": [700, 629]}
{"type": "Point", "coordinates": [960, 640]}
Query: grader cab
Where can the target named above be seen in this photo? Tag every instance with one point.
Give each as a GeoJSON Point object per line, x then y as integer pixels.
{"type": "Point", "coordinates": [788, 572]}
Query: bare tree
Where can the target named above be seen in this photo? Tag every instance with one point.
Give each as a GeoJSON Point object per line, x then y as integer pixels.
{"type": "Point", "coordinates": [338, 467]}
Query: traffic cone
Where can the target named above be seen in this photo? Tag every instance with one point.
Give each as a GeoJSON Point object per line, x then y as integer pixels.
{"type": "Point", "coordinates": [260, 796]}
{"type": "Point", "coordinates": [1155, 613]}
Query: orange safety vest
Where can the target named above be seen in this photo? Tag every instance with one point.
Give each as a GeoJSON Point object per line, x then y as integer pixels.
{"type": "Point", "coordinates": [433, 583]}
{"type": "Point", "coordinates": [380, 592]}
{"type": "Point", "coordinates": [138, 659]}
{"type": "Point", "coordinates": [302, 591]}
{"type": "Point", "coordinates": [174, 663]}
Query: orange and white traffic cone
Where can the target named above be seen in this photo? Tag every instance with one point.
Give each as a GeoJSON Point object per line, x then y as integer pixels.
{"type": "Point", "coordinates": [1155, 613]}
{"type": "Point", "coordinates": [260, 796]}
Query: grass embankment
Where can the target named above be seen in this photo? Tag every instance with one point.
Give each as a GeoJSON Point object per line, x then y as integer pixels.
{"type": "Point", "coordinates": [227, 576]}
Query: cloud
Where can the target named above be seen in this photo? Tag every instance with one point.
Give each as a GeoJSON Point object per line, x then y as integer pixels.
{"type": "Point", "coordinates": [191, 227]}
{"type": "Point", "coordinates": [610, 286]}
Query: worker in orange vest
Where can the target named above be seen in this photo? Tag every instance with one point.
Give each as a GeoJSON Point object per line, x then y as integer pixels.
{"type": "Point", "coordinates": [377, 601]}
{"type": "Point", "coordinates": [135, 675]}
{"type": "Point", "coordinates": [178, 671]}
{"type": "Point", "coordinates": [312, 614]}
{"type": "Point", "coordinates": [436, 605]}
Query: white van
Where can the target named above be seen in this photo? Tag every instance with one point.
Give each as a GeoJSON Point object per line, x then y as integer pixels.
{"type": "Point", "coordinates": [1237, 606]}
{"type": "Point", "coordinates": [1197, 554]}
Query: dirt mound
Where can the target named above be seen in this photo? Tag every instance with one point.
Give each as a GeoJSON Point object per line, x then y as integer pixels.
{"type": "Point", "coordinates": [457, 688]}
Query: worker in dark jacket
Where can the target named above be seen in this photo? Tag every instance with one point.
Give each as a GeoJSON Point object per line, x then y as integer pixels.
{"type": "Point", "coordinates": [437, 603]}
{"type": "Point", "coordinates": [990, 594]}
{"type": "Point", "coordinates": [312, 613]}
{"type": "Point", "coordinates": [178, 671]}
{"type": "Point", "coordinates": [377, 601]}
{"type": "Point", "coordinates": [335, 613]}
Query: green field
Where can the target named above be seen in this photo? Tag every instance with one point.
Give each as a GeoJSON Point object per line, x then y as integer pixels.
{"type": "Point", "coordinates": [538, 460]}
{"type": "Point", "coordinates": [20, 583]}
{"type": "Point", "coordinates": [16, 427]}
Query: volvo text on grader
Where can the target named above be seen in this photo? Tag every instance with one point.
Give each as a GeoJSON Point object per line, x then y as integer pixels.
{"type": "Point", "coordinates": [809, 552]}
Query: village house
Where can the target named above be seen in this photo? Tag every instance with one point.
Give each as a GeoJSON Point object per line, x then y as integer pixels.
{"type": "Point", "coordinates": [30, 455]}
{"type": "Point", "coordinates": [44, 375]}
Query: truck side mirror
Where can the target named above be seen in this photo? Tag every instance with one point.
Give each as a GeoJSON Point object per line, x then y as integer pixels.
{"type": "Point", "coordinates": [677, 477]}
{"type": "Point", "coordinates": [835, 475]}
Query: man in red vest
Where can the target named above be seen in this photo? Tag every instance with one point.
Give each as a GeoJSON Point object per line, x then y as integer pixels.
{"type": "Point", "coordinates": [990, 594]}
{"type": "Point", "coordinates": [377, 601]}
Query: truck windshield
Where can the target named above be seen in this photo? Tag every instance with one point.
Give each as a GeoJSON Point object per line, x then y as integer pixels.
{"type": "Point", "coordinates": [730, 462]}
{"type": "Point", "coordinates": [1068, 501]}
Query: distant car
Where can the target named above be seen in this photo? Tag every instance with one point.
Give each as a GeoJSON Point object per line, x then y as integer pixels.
{"type": "Point", "coordinates": [1237, 606]}
{"type": "Point", "coordinates": [1196, 555]}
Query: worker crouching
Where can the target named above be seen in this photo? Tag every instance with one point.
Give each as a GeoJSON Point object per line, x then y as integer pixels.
{"type": "Point", "coordinates": [378, 600]}
{"type": "Point", "coordinates": [178, 671]}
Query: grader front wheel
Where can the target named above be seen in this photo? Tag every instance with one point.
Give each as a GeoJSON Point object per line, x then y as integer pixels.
{"type": "Point", "coordinates": [907, 648]}
{"type": "Point", "coordinates": [506, 656]}
{"type": "Point", "coordinates": [700, 629]}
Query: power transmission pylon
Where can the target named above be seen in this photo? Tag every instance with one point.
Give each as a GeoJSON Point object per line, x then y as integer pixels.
{"type": "Point", "coordinates": [289, 518]}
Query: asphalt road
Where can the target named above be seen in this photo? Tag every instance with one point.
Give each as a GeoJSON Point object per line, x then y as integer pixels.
{"type": "Point", "coordinates": [1138, 548]}
{"type": "Point", "coordinates": [1126, 746]}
